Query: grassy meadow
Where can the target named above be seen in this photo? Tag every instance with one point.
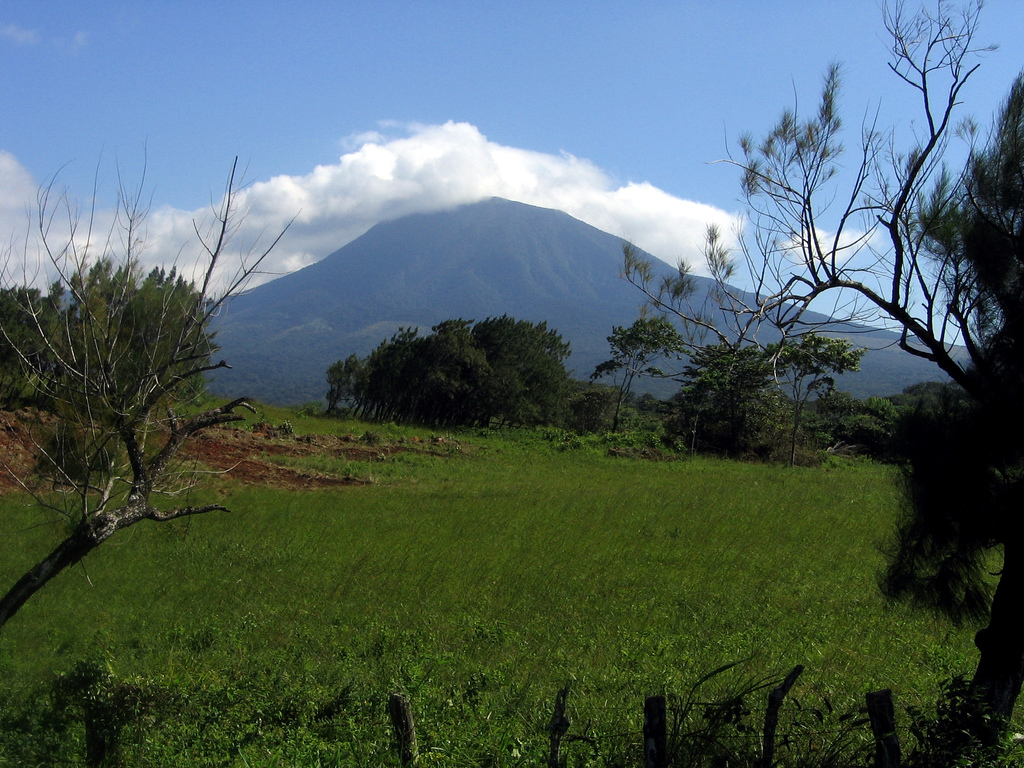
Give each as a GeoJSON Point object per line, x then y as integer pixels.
{"type": "Point", "coordinates": [479, 579]}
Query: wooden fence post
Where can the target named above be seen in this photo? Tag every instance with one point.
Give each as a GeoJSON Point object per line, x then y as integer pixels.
{"type": "Point", "coordinates": [655, 732]}
{"type": "Point", "coordinates": [97, 742]}
{"type": "Point", "coordinates": [558, 727]}
{"type": "Point", "coordinates": [771, 716]}
{"type": "Point", "coordinates": [883, 726]}
{"type": "Point", "coordinates": [400, 709]}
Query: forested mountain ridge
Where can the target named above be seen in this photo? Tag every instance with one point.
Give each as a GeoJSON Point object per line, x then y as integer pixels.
{"type": "Point", "coordinates": [480, 260]}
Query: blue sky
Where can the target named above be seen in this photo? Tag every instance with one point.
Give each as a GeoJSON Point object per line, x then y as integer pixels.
{"type": "Point", "coordinates": [349, 113]}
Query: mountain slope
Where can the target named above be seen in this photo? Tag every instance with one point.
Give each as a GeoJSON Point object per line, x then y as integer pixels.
{"type": "Point", "coordinates": [486, 259]}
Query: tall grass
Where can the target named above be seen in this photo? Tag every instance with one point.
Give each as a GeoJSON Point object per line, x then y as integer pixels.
{"type": "Point", "coordinates": [480, 583]}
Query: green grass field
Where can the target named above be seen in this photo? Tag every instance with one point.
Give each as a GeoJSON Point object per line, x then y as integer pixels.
{"type": "Point", "coordinates": [479, 581]}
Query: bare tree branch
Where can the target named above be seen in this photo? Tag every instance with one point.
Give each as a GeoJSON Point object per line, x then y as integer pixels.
{"type": "Point", "coordinates": [112, 352]}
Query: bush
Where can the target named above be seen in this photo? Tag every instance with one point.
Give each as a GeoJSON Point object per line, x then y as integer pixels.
{"type": "Point", "coordinates": [947, 736]}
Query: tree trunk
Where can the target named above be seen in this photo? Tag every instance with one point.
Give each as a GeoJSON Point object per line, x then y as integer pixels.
{"type": "Point", "coordinates": [81, 542]}
{"type": "Point", "coordinates": [997, 680]}
{"type": "Point", "coordinates": [797, 413]}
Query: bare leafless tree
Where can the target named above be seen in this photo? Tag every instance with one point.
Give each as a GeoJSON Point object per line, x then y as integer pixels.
{"type": "Point", "coordinates": [114, 355]}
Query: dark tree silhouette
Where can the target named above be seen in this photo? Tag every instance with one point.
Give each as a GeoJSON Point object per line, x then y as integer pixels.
{"type": "Point", "coordinates": [974, 235]}
{"type": "Point", "coordinates": [892, 238]}
{"type": "Point", "coordinates": [499, 371]}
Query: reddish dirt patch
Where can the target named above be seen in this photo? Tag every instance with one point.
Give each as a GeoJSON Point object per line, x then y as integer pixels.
{"type": "Point", "coordinates": [242, 455]}
{"type": "Point", "coordinates": [17, 448]}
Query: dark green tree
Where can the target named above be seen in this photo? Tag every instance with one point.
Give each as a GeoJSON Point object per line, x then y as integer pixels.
{"type": "Point", "coordinates": [449, 374]}
{"type": "Point", "coordinates": [501, 370]}
{"type": "Point", "coordinates": [729, 403]}
{"type": "Point", "coordinates": [525, 381]}
{"type": "Point", "coordinates": [387, 388]}
{"type": "Point", "coordinates": [973, 233]}
{"type": "Point", "coordinates": [635, 350]}
{"type": "Point", "coordinates": [840, 422]}
{"type": "Point", "coordinates": [19, 338]}
{"type": "Point", "coordinates": [928, 395]}
{"type": "Point", "coordinates": [426, 379]}
{"type": "Point", "coordinates": [344, 382]}
{"type": "Point", "coordinates": [591, 407]}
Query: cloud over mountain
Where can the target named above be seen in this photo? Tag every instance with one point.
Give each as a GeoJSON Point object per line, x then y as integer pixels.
{"type": "Point", "coordinates": [424, 169]}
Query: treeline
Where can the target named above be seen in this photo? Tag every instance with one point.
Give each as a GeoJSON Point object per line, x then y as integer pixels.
{"type": "Point", "coordinates": [741, 411]}
{"type": "Point", "coordinates": [499, 371]}
{"type": "Point", "coordinates": [740, 401]}
{"type": "Point", "coordinates": [743, 402]}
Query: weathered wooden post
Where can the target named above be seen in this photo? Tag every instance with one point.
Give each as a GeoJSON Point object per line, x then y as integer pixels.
{"type": "Point", "coordinates": [883, 726]}
{"type": "Point", "coordinates": [771, 715]}
{"type": "Point", "coordinates": [97, 744]}
{"type": "Point", "coordinates": [558, 727]}
{"type": "Point", "coordinates": [655, 732]}
{"type": "Point", "coordinates": [400, 709]}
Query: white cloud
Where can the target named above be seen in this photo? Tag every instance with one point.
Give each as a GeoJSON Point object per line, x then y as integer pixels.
{"type": "Point", "coordinates": [431, 168]}
{"type": "Point", "coordinates": [21, 36]}
{"type": "Point", "coordinates": [24, 257]}
{"type": "Point", "coordinates": [437, 167]}
{"type": "Point", "coordinates": [17, 193]}
{"type": "Point", "coordinates": [79, 41]}
{"type": "Point", "coordinates": [18, 35]}
{"type": "Point", "coordinates": [18, 186]}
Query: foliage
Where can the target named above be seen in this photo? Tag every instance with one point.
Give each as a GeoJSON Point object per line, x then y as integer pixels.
{"type": "Point", "coordinates": [897, 239]}
{"type": "Point", "coordinates": [810, 363]}
{"type": "Point", "coordinates": [635, 350]}
{"type": "Point", "coordinates": [149, 339]}
{"type": "Point", "coordinates": [841, 423]}
{"type": "Point", "coordinates": [808, 366]}
{"type": "Point", "coordinates": [948, 738]}
{"type": "Point", "coordinates": [929, 396]}
{"type": "Point", "coordinates": [591, 408]}
{"type": "Point", "coordinates": [343, 379]}
{"type": "Point", "coordinates": [940, 555]}
{"type": "Point", "coordinates": [19, 338]}
{"type": "Point", "coordinates": [728, 403]}
{"type": "Point", "coordinates": [499, 371]}
{"type": "Point", "coordinates": [524, 381]}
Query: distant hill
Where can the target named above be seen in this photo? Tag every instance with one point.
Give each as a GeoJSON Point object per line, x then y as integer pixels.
{"type": "Point", "coordinates": [485, 259]}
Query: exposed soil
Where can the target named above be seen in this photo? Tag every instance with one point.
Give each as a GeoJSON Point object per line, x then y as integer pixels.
{"type": "Point", "coordinates": [243, 455]}
{"type": "Point", "coordinates": [16, 451]}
